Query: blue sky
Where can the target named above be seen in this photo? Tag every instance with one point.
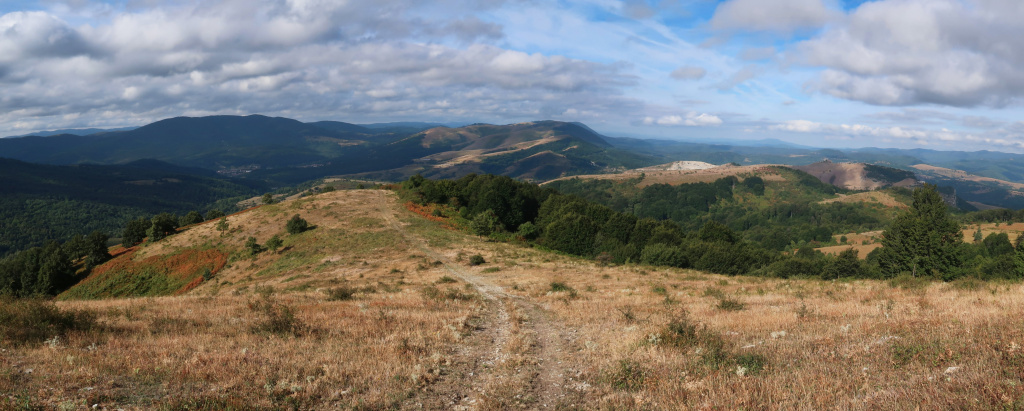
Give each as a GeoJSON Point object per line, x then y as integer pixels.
{"type": "Point", "coordinates": [938, 74]}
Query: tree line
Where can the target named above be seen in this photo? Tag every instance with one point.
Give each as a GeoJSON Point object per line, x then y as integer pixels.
{"type": "Point", "coordinates": [54, 267]}
{"type": "Point", "coordinates": [925, 241]}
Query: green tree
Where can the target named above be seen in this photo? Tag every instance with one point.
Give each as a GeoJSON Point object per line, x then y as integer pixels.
{"type": "Point", "coordinates": [486, 223]}
{"type": "Point", "coordinates": [135, 232]}
{"type": "Point", "coordinates": [997, 244]}
{"type": "Point", "coordinates": [164, 224]}
{"type": "Point", "coordinates": [978, 235]}
{"type": "Point", "coordinates": [296, 225]}
{"type": "Point", "coordinates": [274, 243]}
{"type": "Point", "coordinates": [713, 231]}
{"type": "Point", "coordinates": [97, 251]}
{"type": "Point", "coordinates": [924, 240]}
{"type": "Point", "coordinates": [222, 225]}
{"type": "Point", "coordinates": [267, 198]}
{"type": "Point", "coordinates": [212, 214]}
{"type": "Point", "coordinates": [253, 247]}
{"type": "Point", "coordinates": [193, 217]}
{"type": "Point", "coordinates": [846, 265]}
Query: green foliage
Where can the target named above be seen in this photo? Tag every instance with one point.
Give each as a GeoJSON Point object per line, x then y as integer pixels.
{"type": "Point", "coordinates": [163, 225]}
{"type": "Point", "coordinates": [38, 271]}
{"type": "Point", "coordinates": [997, 244]}
{"type": "Point", "coordinates": [924, 240]}
{"type": "Point", "coordinates": [713, 231]}
{"type": "Point", "coordinates": [267, 198]}
{"type": "Point", "coordinates": [252, 246]}
{"type": "Point", "coordinates": [193, 217]}
{"type": "Point", "coordinates": [274, 243]}
{"type": "Point", "coordinates": [572, 233]}
{"type": "Point", "coordinates": [135, 232]}
{"type": "Point", "coordinates": [627, 375]}
{"type": "Point", "coordinates": [846, 265]}
{"type": "Point", "coordinates": [663, 254]}
{"type": "Point", "coordinates": [32, 320]}
{"type": "Point", "coordinates": [214, 213]}
{"type": "Point", "coordinates": [486, 223]}
{"type": "Point", "coordinates": [296, 225]}
{"type": "Point", "coordinates": [476, 259]}
{"type": "Point", "coordinates": [342, 293]}
{"type": "Point", "coordinates": [528, 230]}
{"type": "Point", "coordinates": [96, 251]}
{"type": "Point", "coordinates": [222, 225]}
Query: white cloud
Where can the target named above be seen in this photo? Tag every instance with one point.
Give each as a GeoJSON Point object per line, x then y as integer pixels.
{"type": "Point", "coordinates": [782, 16]}
{"type": "Point", "coordinates": [691, 119]}
{"type": "Point", "coordinates": [907, 52]}
{"type": "Point", "coordinates": [688, 73]}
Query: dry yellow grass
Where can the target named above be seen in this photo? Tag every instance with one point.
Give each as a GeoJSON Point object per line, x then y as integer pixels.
{"type": "Point", "coordinates": [676, 177]}
{"type": "Point", "coordinates": [517, 341]}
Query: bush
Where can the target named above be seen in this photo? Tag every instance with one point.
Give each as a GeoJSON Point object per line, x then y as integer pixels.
{"type": "Point", "coordinates": [296, 225]}
{"type": "Point", "coordinates": [446, 280]}
{"type": "Point", "coordinates": [27, 321]}
{"type": "Point", "coordinates": [752, 363]}
{"type": "Point", "coordinates": [730, 304]}
{"type": "Point", "coordinates": [253, 247]}
{"type": "Point", "coordinates": [277, 318]}
{"type": "Point", "coordinates": [193, 217]}
{"type": "Point", "coordinates": [476, 259]}
{"type": "Point", "coordinates": [274, 243]}
{"type": "Point", "coordinates": [558, 286]}
{"type": "Point", "coordinates": [342, 293]}
{"type": "Point", "coordinates": [212, 214]}
{"type": "Point", "coordinates": [486, 223]}
{"type": "Point", "coordinates": [627, 375]}
{"type": "Point", "coordinates": [662, 254]}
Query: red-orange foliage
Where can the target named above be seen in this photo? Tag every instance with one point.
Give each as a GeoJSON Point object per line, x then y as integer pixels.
{"type": "Point", "coordinates": [182, 271]}
{"type": "Point", "coordinates": [427, 211]}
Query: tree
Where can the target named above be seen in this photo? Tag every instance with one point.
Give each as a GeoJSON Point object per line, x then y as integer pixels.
{"type": "Point", "coordinates": [486, 223]}
{"type": "Point", "coordinates": [222, 225]}
{"type": "Point", "coordinates": [164, 224]}
{"type": "Point", "coordinates": [253, 247]}
{"type": "Point", "coordinates": [296, 225]}
{"type": "Point", "coordinates": [924, 240]}
{"type": "Point", "coordinates": [267, 198]}
{"type": "Point", "coordinates": [274, 243]}
{"type": "Point", "coordinates": [96, 249]}
{"type": "Point", "coordinates": [713, 231]}
{"type": "Point", "coordinates": [846, 265]}
{"type": "Point", "coordinates": [212, 214]}
{"type": "Point", "coordinates": [978, 235]}
{"type": "Point", "coordinates": [135, 232]}
{"type": "Point", "coordinates": [193, 217]}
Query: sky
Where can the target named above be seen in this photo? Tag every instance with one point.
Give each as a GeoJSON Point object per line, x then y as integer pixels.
{"type": "Point", "coordinates": [938, 74]}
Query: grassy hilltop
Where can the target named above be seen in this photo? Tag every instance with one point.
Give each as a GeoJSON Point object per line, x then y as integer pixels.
{"type": "Point", "coordinates": [383, 304]}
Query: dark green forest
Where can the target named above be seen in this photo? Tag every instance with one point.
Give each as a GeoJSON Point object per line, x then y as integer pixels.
{"type": "Point", "coordinates": [922, 242]}
{"type": "Point", "coordinates": [39, 203]}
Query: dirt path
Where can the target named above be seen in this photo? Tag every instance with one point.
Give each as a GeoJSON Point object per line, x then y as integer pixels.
{"type": "Point", "coordinates": [519, 357]}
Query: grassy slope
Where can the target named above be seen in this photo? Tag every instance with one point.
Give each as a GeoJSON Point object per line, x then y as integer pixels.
{"type": "Point", "coordinates": [806, 343]}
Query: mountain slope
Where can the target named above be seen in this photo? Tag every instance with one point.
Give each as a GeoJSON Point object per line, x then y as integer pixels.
{"type": "Point", "coordinates": [47, 202]}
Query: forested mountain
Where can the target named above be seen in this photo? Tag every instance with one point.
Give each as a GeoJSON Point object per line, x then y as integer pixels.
{"type": "Point", "coordinates": [47, 202]}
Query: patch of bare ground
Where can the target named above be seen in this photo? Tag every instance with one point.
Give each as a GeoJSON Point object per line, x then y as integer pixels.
{"type": "Point", "coordinates": [684, 176]}
{"type": "Point", "coordinates": [963, 175]}
{"type": "Point", "coordinates": [868, 197]}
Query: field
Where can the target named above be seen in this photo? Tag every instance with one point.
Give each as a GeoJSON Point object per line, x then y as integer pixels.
{"type": "Point", "coordinates": [378, 307]}
{"type": "Point", "coordinates": [658, 175]}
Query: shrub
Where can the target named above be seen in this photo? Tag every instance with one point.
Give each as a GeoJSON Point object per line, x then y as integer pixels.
{"type": "Point", "coordinates": [730, 304]}
{"type": "Point", "coordinates": [558, 286]}
{"type": "Point", "coordinates": [274, 243]}
{"type": "Point", "coordinates": [253, 247]}
{"type": "Point", "coordinates": [277, 318]}
{"type": "Point", "coordinates": [752, 363]}
{"type": "Point", "coordinates": [342, 293]}
{"type": "Point", "coordinates": [446, 280]}
{"type": "Point", "coordinates": [476, 259]}
{"type": "Point", "coordinates": [296, 225]}
{"type": "Point", "coordinates": [222, 225]}
{"type": "Point", "coordinates": [663, 254]}
{"type": "Point", "coordinates": [627, 375]}
{"type": "Point", "coordinates": [486, 223]}
{"type": "Point", "coordinates": [26, 321]}
{"type": "Point", "coordinates": [267, 198]}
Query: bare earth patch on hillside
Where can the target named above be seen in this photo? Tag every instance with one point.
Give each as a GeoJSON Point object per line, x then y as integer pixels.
{"type": "Point", "coordinates": [421, 329]}
{"type": "Point", "coordinates": [963, 175]}
{"type": "Point", "coordinates": [676, 177]}
{"type": "Point", "coordinates": [868, 197]}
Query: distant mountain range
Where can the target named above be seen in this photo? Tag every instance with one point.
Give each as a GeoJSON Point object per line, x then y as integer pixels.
{"type": "Point", "coordinates": [282, 151]}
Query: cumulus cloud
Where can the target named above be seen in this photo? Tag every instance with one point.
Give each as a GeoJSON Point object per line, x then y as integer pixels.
{"type": "Point", "coordinates": [906, 52]}
{"type": "Point", "coordinates": [300, 58]}
{"type": "Point", "coordinates": [1008, 137]}
{"type": "Point", "coordinates": [781, 16]}
{"type": "Point", "coordinates": [691, 119]}
{"type": "Point", "coordinates": [688, 73]}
